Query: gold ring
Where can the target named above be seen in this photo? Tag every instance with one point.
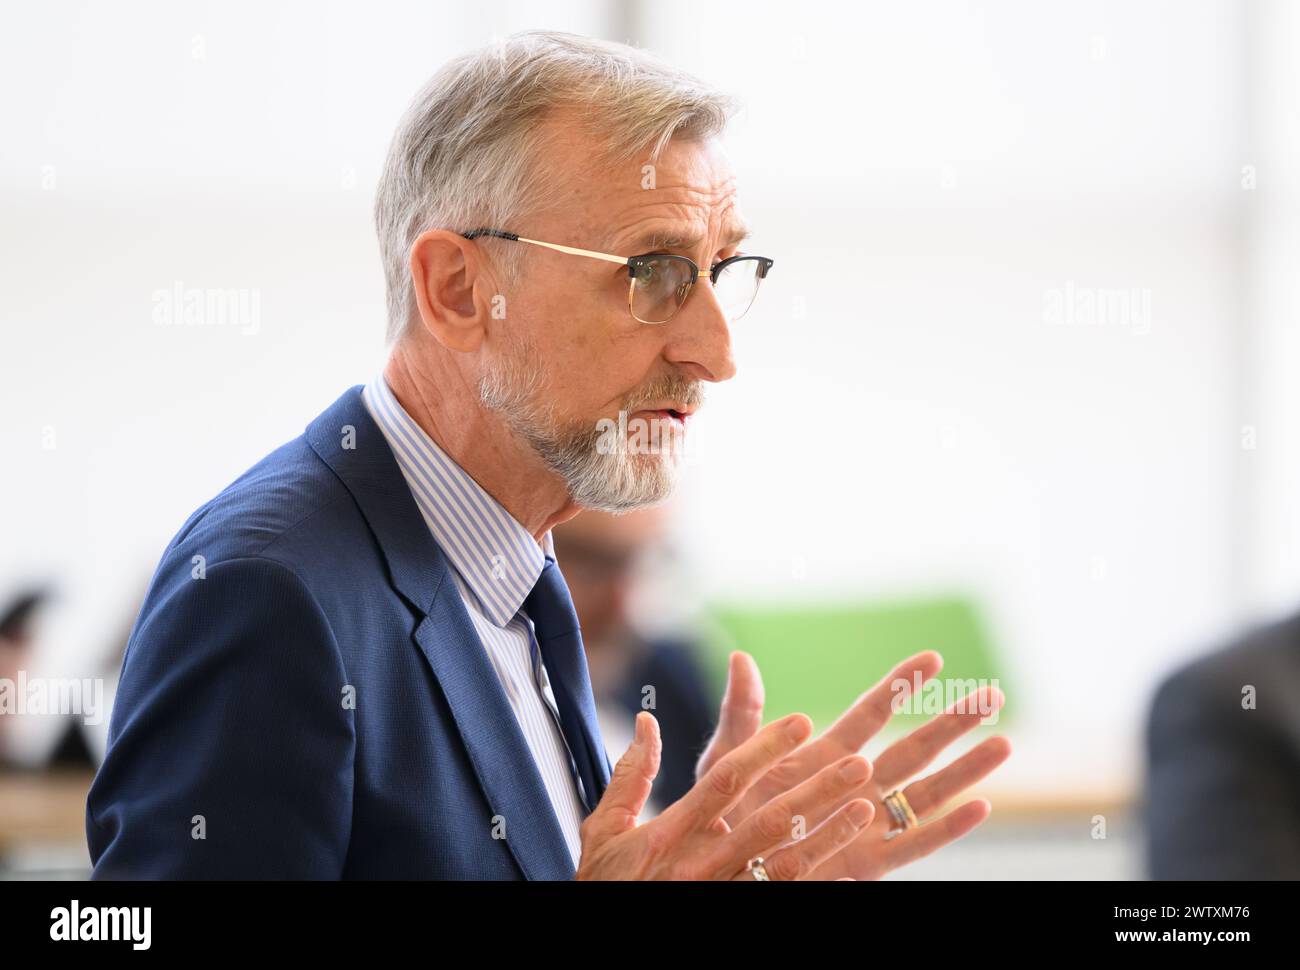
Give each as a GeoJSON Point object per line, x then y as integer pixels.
{"type": "Point", "coordinates": [901, 815]}
{"type": "Point", "coordinates": [756, 867]}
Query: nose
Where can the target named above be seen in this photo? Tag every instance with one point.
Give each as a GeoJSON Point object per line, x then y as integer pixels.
{"type": "Point", "coordinates": [699, 337]}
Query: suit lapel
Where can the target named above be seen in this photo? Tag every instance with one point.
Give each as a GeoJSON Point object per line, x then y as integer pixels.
{"type": "Point", "coordinates": [347, 439]}
{"type": "Point", "coordinates": [488, 726]}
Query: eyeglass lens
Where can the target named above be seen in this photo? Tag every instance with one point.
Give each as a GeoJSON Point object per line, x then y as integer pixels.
{"type": "Point", "coordinates": [661, 283]}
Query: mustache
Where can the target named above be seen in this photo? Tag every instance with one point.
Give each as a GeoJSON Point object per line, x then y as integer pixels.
{"type": "Point", "coordinates": [670, 387]}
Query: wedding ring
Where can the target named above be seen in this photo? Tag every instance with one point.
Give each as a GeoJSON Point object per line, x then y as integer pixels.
{"type": "Point", "coordinates": [756, 867]}
{"type": "Point", "coordinates": [901, 815]}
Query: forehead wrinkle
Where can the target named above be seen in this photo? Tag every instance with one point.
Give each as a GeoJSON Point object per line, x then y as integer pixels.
{"type": "Point", "coordinates": [683, 232]}
{"type": "Point", "coordinates": [669, 239]}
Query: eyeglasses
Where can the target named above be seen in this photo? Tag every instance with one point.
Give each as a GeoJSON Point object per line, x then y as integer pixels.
{"type": "Point", "coordinates": [659, 283]}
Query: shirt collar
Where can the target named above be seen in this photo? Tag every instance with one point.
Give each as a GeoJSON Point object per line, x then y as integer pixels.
{"type": "Point", "coordinates": [498, 559]}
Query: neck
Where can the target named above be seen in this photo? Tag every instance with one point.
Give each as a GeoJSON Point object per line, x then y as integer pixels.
{"type": "Point", "coordinates": [446, 405]}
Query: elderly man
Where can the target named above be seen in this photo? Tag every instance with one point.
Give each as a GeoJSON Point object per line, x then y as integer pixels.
{"type": "Point", "coordinates": [361, 660]}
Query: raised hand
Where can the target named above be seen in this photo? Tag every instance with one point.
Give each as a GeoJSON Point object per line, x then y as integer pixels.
{"type": "Point", "coordinates": [691, 838]}
{"type": "Point", "coordinates": [871, 854]}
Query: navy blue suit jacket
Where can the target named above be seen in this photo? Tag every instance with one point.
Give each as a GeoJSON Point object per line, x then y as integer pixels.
{"type": "Point", "coordinates": [304, 689]}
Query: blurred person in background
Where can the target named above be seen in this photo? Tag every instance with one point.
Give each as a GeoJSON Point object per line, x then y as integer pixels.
{"type": "Point", "coordinates": [1223, 762]}
{"type": "Point", "coordinates": [45, 758]}
{"type": "Point", "coordinates": [604, 556]}
{"type": "Point", "coordinates": [71, 748]}
{"type": "Point", "coordinates": [16, 634]}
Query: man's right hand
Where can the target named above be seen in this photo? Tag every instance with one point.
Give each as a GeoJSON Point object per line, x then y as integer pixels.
{"type": "Point", "coordinates": [691, 840]}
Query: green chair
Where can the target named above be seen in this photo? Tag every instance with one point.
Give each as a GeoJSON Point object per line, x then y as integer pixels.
{"type": "Point", "coordinates": [819, 658]}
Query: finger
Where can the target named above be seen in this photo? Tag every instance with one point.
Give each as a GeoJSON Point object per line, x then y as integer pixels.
{"type": "Point", "coordinates": [903, 759]}
{"type": "Point", "coordinates": [741, 714]}
{"type": "Point", "coordinates": [726, 782]}
{"type": "Point", "coordinates": [629, 785]}
{"type": "Point", "coordinates": [873, 709]}
{"type": "Point", "coordinates": [929, 794]}
{"type": "Point", "coordinates": [797, 861]}
{"type": "Point", "coordinates": [787, 816]}
{"type": "Point", "coordinates": [920, 842]}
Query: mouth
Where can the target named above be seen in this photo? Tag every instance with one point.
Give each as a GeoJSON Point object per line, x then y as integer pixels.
{"type": "Point", "coordinates": [678, 415]}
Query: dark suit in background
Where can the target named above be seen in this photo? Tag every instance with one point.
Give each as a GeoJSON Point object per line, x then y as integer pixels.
{"type": "Point", "coordinates": [1223, 791]}
{"type": "Point", "coordinates": [684, 706]}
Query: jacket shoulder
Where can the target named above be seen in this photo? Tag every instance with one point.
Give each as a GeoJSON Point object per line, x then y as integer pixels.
{"type": "Point", "coordinates": [255, 513]}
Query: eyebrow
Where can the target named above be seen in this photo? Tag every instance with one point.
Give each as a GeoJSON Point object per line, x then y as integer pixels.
{"type": "Point", "coordinates": [663, 239]}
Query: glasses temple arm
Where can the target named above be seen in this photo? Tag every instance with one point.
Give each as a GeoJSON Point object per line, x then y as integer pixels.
{"type": "Point", "coordinates": [514, 237]}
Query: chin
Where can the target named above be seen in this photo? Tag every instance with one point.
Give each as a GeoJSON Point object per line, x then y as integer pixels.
{"type": "Point", "coordinates": [627, 482]}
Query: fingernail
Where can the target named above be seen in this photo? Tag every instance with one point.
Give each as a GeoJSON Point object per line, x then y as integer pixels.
{"type": "Point", "coordinates": [796, 729]}
{"type": "Point", "coordinates": [859, 814]}
{"type": "Point", "coordinates": [855, 770]}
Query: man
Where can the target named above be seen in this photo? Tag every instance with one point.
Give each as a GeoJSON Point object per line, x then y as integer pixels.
{"type": "Point", "coordinates": [1223, 762]}
{"type": "Point", "coordinates": [360, 659]}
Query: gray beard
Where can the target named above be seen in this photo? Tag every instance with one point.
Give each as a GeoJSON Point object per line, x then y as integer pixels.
{"type": "Point", "coordinates": [615, 482]}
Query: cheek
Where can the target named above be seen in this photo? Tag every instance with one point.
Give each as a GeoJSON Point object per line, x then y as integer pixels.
{"type": "Point", "coordinates": [593, 355]}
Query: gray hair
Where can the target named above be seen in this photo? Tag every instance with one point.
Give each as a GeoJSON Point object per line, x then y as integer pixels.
{"type": "Point", "coordinates": [462, 157]}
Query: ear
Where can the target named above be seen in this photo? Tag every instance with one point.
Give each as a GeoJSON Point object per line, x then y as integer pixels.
{"type": "Point", "coordinates": [454, 287]}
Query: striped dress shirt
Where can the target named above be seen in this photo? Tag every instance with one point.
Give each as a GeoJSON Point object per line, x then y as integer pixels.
{"type": "Point", "coordinates": [495, 564]}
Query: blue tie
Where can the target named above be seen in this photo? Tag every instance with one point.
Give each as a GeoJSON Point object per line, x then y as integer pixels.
{"type": "Point", "coordinates": [559, 638]}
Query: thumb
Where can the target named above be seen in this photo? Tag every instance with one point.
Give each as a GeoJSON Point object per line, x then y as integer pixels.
{"type": "Point", "coordinates": [629, 785]}
{"type": "Point", "coordinates": [741, 714]}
